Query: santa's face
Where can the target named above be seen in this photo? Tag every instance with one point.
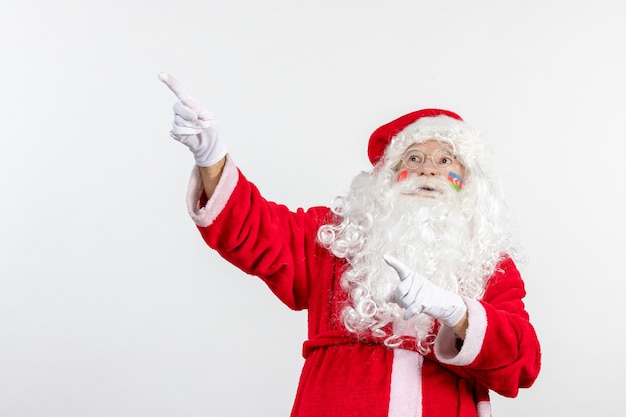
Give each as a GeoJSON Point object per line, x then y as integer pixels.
{"type": "Point", "coordinates": [433, 167]}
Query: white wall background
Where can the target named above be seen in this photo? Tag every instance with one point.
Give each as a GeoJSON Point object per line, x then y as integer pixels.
{"type": "Point", "coordinates": [111, 305]}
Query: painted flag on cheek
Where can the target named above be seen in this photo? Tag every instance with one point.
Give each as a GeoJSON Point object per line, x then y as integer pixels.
{"type": "Point", "coordinates": [455, 181]}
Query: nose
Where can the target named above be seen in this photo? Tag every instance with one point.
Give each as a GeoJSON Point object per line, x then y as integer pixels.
{"type": "Point", "coordinates": [427, 168]}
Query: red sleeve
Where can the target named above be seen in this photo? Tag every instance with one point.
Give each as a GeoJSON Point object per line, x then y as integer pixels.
{"type": "Point", "coordinates": [268, 240]}
{"type": "Point", "coordinates": [501, 350]}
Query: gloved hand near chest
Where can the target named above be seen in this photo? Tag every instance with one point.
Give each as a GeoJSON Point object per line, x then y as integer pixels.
{"type": "Point", "coordinates": [416, 294]}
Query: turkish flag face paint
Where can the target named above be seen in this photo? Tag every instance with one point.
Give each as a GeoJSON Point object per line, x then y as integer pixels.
{"type": "Point", "coordinates": [402, 175]}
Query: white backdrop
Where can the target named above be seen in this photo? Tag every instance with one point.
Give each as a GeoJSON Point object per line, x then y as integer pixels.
{"type": "Point", "coordinates": [110, 303]}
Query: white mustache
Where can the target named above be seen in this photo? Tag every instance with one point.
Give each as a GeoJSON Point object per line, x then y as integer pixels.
{"type": "Point", "coordinates": [416, 184]}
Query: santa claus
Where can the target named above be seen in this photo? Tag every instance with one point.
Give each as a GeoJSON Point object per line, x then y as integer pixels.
{"type": "Point", "coordinates": [414, 300]}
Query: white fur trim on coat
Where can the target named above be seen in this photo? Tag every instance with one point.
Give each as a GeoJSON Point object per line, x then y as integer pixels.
{"type": "Point", "coordinates": [445, 342]}
{"type": "Point", "coordinates": [204, 216]}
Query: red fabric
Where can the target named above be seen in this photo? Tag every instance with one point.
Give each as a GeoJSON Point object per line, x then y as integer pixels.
{"type": "Point", "coordinates": [343, 376]}
{"type": "Point", "coordinates": [382, 136]}
{"type": "Point", "coordinates": [510, 355]}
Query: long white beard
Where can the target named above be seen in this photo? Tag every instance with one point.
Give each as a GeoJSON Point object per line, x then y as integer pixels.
{"type": "Point", "coordinates": [434, 236]}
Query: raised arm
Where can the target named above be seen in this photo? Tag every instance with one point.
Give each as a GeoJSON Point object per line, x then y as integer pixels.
{"type": "Point", "coordinates": [195, 127]}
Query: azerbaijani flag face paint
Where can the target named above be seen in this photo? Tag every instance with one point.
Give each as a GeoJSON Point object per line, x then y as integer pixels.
{"type": "Point", "coordinates": [455, 181]}
{"type": "Point", "coordinates": [402, 175]}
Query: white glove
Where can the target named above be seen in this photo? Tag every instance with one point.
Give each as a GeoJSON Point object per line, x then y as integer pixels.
{"type": "Point", "coordinates": [417, 295]}
{"type": "Point", "coordinates": [194, 126]}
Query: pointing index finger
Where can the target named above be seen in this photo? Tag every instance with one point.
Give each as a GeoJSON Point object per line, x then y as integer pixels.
{"type": "Point", "coordinates": [173, 84]}
{"type": "Point", "coordinates": [402, 270]}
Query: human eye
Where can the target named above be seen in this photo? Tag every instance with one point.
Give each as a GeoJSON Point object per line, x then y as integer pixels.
{"type": "Point", "coordinates": [414, 158]}
{"type": "Point", "coordinates": [445, 158]}
{"type": "Point", "coordinates": [416, 155]}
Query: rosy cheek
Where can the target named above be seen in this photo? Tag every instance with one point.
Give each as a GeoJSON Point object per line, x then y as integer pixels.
{"type": "Point", "coordinates": [402, 175]}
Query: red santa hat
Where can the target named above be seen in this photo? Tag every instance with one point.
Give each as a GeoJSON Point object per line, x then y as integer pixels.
{"type": "Point", "coordinates": [382, 137]}
{"type": "Point", "coordinates": [389, 142]}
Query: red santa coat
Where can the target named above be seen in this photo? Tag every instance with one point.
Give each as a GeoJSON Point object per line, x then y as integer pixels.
{"type": "Point", "coordinates": [345, 376]}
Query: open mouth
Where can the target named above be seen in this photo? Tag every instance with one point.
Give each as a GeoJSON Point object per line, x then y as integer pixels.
{"type": "Point", "coordinates": [428, 192]}
{"type": "Point", "coordinates": [424, 191]}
